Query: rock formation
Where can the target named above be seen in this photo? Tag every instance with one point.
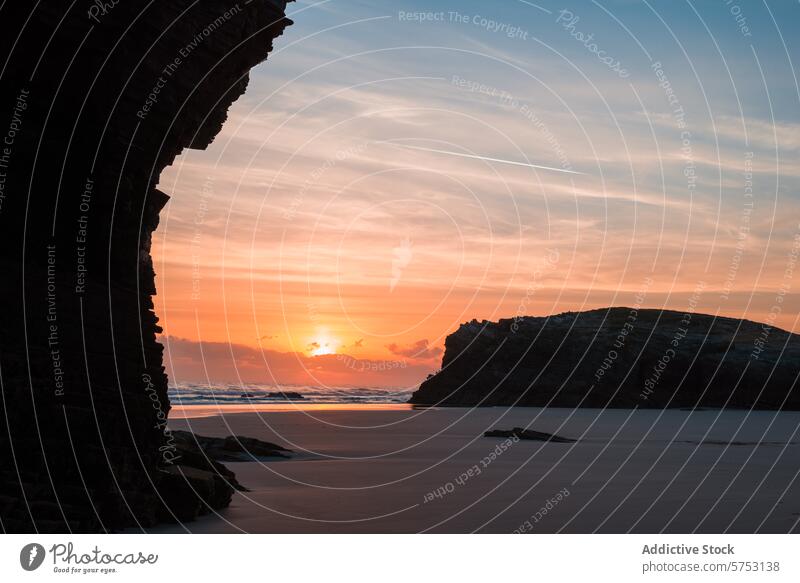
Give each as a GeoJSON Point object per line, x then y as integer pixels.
{"type": "Point", "coordinates": [233, 448]}
{"type": "Point", "coordinates": [618, 357]}
{"type": "Point", "coordinates": [97, 98]}
{"type": "Point", "coordinates": [197, 482]}
{"type": "Point", "coordinates": [520, 433]}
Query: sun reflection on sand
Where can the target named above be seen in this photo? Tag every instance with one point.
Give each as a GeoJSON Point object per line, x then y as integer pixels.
{"type": "Point", "coordinates": [198, 411]}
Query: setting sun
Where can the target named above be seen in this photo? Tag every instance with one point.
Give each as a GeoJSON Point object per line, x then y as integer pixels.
{"type": "Point", "coordinates": [322, 349]}
{"type": "Point", "coordinates": [321, 344]}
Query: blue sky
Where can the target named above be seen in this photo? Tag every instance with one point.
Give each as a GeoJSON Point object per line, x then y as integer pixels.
{"type": "Point", "coordinates": [315, 188]}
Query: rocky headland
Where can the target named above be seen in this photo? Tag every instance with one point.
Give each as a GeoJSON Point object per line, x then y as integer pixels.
{"type": "Point", "coordinates": [617, 357]}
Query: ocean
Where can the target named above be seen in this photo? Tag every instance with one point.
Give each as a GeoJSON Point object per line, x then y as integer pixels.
{"type": "Point", "coordinates": [184, 393]}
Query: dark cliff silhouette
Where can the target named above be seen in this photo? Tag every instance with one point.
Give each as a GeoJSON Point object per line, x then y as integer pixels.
{"type": "Point", "coordinates": [618, 357]}
{"type": "Point", "coordinates": [97, 98]}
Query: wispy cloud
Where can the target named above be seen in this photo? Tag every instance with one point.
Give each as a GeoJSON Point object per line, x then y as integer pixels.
{"type": "Point", "coordinates": [309, 208]}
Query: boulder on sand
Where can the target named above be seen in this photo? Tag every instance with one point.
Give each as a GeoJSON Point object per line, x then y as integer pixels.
{"type": "Point", "coordinates": [528, 434]}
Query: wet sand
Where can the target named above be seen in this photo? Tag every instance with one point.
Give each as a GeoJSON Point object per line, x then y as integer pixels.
{"type": "Point", "coordinates": [401, 470]}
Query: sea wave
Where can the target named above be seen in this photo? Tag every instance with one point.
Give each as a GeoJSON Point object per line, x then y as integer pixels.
{"type": "Point", "coordinates": [203, 394]}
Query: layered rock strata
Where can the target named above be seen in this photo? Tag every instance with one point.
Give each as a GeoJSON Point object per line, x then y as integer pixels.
{"type": "Point", "coordinates": [97, 99]}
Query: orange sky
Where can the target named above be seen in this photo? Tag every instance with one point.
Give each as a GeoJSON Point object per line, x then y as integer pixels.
{"type": "Point", "coordinates": [308, 230]}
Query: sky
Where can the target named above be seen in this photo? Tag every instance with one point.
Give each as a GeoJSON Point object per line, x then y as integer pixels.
{"type": "Point", "coordinates": [398, 168]}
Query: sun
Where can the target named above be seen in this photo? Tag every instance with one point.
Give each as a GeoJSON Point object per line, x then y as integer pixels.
{"type": "Point", "coordinates": [322, 349]}
{"type": "Point", "coordinates": [322, 344]}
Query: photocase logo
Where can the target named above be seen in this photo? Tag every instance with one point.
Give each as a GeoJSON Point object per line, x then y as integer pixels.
{"type": "Point", "coordinates": [401, 257]}
{"type": "Point", "coordinates": [31, 556]}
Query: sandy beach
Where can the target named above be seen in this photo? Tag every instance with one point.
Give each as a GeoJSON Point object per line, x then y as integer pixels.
{"type": "Point", "coordinates": [403, 470]}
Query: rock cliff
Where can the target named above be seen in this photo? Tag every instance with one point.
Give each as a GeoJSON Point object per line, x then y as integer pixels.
{"type": "Point", "coordinates": [96, 99]}
{"type": "Point", "coordinates": [617, 357]}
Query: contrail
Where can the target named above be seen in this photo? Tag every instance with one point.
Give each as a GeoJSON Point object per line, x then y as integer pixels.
{"type": "Point", "coordinates": [461, 155]}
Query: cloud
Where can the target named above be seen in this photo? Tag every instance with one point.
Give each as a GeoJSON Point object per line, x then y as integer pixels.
{"type": "Point", "coordinates": [309, 203]}
{"type": "Point", "coordinates": [419, 350]}
{"type": "Point", "coordinates": [221, 362]}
